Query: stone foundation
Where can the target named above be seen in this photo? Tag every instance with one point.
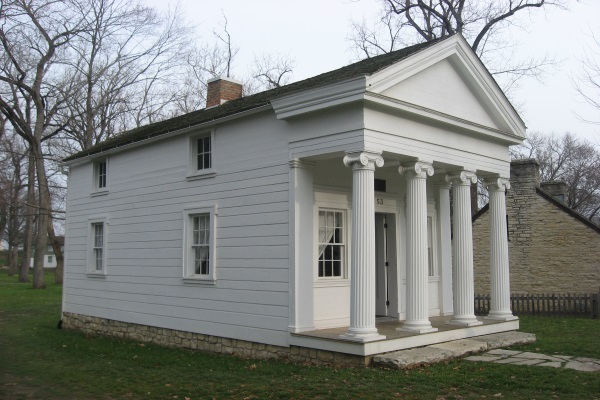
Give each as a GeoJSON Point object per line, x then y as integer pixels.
{"type": "Point", "coordinates": [95, 326]}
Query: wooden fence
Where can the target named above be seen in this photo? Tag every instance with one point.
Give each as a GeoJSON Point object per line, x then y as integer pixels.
{"type": "Point", "coordinates": [547, 305]}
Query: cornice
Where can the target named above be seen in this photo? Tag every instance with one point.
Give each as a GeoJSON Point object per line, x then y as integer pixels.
{"type": "Point", "coordinates": [441, 117]}
{"type": "Point", "coordinates": [319, 98]}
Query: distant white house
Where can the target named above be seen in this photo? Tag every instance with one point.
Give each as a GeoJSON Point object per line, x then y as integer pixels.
{"type": "Point", "coordinates": [49, 256]}
{"type": "Point", "coordinates": [312, 216]}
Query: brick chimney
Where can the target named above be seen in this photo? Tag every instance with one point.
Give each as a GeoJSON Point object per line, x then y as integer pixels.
{"type": "Point", "coordinates": [221, 90]}
{"type": "Point", "coordinates": [556, 189]}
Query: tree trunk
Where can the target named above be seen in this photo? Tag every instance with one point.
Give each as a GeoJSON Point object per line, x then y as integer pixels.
{"type": "Point", "coordinates": [58, 254]}
{"type": "Point", "coordinates": [44, 216]}
{"type": "Point", "coordinates": [29, 220]}
{"type": "Point", "coordinates": [13, 259]}
{"type": "Point", "coordinates": [13, 237]}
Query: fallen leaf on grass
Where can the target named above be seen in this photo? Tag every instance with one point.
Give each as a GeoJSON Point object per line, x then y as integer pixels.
{"type": "Point", "coordinates": [10, 384]}
{"type": "Point", "coordinates": [498, 395]}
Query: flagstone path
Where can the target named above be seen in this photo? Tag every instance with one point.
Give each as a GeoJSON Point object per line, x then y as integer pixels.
{"type": "Point", "coordinates": [501, 356]}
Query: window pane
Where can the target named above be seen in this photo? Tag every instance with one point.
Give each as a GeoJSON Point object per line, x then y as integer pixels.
{"type": "Point", "coordinates": [203, 153]}
{"type": "Point", "coordinates": [98, 257]}
{"type": "Point", "coordinates": [331, 248]}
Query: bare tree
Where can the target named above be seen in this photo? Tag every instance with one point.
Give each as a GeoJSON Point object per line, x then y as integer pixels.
{"type": "Point", "coordinates": [12, 185]}
{"type": "Point", "coordinates": [34, 34]}
{"type": "Point", "coordinates": [272, 71]}
{"type": "Point", "coordinates": [588, 82]}
{"type": "Point", "coordinates": [121, 65]}
{"type": "Point", "coordinates": [572, 160]}
{"type": "Point", "coordinates": [483, 23]}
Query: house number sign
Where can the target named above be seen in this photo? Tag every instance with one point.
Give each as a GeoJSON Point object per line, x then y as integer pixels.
{"type": "Point", "coordinates": [378, 201]}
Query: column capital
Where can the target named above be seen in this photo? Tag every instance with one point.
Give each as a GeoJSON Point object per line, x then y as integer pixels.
{"type": "Point", "coordinates": [362, 159]}
{"type": "Point", "coordinates": [462, 178]}
{"type": "Point", "coordinates": [497, 184]}
{"type": "Point", "coordinates": [417, 169]}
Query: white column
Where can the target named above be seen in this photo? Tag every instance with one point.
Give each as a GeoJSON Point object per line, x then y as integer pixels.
{"type": "Point", "coordinates": [499, 269]}
{"type": "Point", "coordinates": [417, 279]}
{"type": "Point", "coordinates": [445, 228]}
{"type": "Point", "coordinates": [362, 259]}
{"type": "Point", "coordinates": [464, 292]}
{"type": "Point", "coordinates": [301, 246]}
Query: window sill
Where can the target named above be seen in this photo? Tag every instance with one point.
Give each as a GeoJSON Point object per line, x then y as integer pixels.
{"type": "Point", "coordinates": [96, 275]}
{"type": "Point", "coordinates": [199, 281]}
{"type": "Point", "coordinates": [201, 175]}
{"type": "Point", "coordinates": [99, 193]}
{"type": "Point", "coordinates": [332, 282]}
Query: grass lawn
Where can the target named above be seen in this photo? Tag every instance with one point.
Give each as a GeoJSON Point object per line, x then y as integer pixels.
{"type": "Point", "coordinates": [39, 361]}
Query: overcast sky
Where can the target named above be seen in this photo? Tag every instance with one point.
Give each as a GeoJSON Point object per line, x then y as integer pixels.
{"type": "Point", "coordinates": [314, 33]}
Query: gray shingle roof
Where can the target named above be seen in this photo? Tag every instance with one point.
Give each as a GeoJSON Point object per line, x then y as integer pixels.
{"type": "Point", "coordinates": [364, 67]}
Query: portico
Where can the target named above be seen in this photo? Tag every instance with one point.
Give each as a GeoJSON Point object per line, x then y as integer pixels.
{"type": "Point", "coordinates": [389, 185]}
{"type": "Point", "coordinates": [415, 293]}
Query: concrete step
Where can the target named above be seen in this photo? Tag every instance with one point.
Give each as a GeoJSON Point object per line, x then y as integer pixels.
{"type": "Point", "coordinates": [445, 351]}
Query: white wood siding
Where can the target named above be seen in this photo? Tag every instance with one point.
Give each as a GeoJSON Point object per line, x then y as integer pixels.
{"type": "Point", "coordinates": [148, 191]}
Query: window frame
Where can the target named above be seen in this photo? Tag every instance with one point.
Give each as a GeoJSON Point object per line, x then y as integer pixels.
{"type": "Point", "coordinates": [189, 275]}
{"type": "Point", "coordinates": [92, 270]}
{"type": "Point", "coordinates": [96, 181]}
{"type": "Point", "coordinates": [193, 171]}
{"type": "Point", "coordinates": [433, 271]}
{"type": "Point", "coordinates": [344, 252]}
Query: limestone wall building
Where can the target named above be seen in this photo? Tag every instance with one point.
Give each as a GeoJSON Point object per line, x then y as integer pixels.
{"type": "Point", "coordinates": [552, 249]}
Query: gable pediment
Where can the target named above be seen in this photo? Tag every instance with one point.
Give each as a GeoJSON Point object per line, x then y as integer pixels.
{"type": "Point", "coordinates": [448, 79]}
{"type": "Point", "coordinates": [441, 88]}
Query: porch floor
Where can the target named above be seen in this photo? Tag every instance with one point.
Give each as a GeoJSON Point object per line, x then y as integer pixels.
{"type": "Point", "coordinates": [329, 339]}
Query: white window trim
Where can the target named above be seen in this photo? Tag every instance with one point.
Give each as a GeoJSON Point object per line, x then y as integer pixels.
{"type": "Point", "coordinates": [90, 267]}
{"type": "Point", "coordinates": [328, 199]}
{"type": "Point", "coordinates": [188, 276]}
{"type": "Point", "coordinates": [431, 213]}
{"type": "Point", "coordinates": [96, 191]}
{"type": "Point", "coordinates": [193, 172]}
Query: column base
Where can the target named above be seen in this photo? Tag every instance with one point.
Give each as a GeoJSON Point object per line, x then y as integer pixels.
{"type": "Point", "coordinates": [465, 321]}
{"type": "Point", "coordinates": [362, 337]}
{"type": "Point", "coordinates": [418, 328]}
{"type": "Point", "coordinates": [500, 316]}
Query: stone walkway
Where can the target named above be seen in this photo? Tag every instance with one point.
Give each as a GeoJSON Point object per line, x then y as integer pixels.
{"type": "Point", "coordinates": [501, 356]}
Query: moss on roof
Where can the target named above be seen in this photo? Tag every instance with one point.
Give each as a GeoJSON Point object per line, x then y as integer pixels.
{"type": "Point", "coordinates": [364, 67]}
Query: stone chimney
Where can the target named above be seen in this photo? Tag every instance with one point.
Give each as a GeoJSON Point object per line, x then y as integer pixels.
{"type": "Point", "coordinates": [556, 189]}
{"type": "Point", "coordinates": [525, 174]}
{"type": "Point", "coordinates": [221, 90]}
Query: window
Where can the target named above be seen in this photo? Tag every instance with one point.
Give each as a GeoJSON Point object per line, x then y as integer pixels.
{"type": "Point", "coordinates": [50, 259]}
{"type": "Point", "coordinates": [201, 244]}
{"type": "Point", "coordinates": [203, 153]}
{"type": "Point", "coordinates": [101, 175]}
{"type": "Point", "coordinates": [199, 252]}
{"type": "Point", "coordinates": [332, 246]}
{"type": "Point", "coordinates": [430, 264]}
{"type": "Point", "coordinates": [202, 149]}
{"type": "Point", "coordinates": [97, 246]}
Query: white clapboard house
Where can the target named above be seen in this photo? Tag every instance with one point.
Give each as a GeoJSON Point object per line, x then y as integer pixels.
{"type": "Point", "coordinates": [314, 215]}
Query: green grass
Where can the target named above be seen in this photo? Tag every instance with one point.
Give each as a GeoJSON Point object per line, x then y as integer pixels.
{"type": "Point", "coordinates": [39, 361]}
